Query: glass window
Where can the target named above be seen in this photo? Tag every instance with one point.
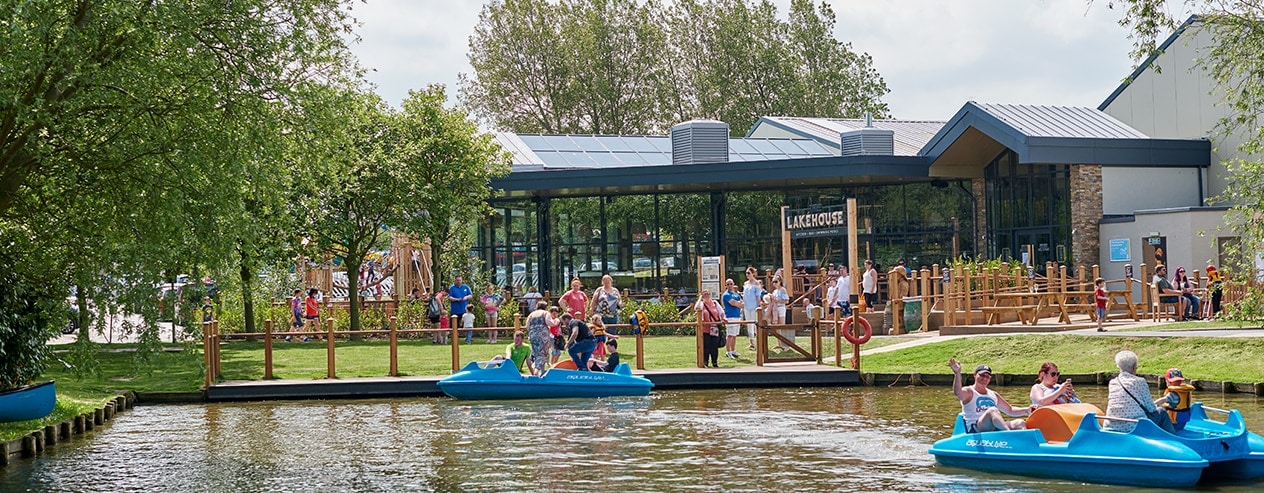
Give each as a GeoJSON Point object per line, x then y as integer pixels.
{"type": "Point", "coordinates": [536, 142]}
{"type": "Point", "coordinates": [741, 146]}
{"type": "Point", "coordinates": [614, 143]}
{"type": "Point", "coordinates": [662, 143]}
{"type": "Point", "coordinates": [588, 143]}
{"type": "Point", "coordinates": [641, 144]}
{"type": "Point", "coordinates": [552, 158]}
{"type": "Point", "coordinates": [764, 146]}
{"type": "Point", "coordinates": [561, 142]}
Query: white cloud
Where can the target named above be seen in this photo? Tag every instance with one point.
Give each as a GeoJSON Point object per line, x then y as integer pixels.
{"type": "Point", "coordinates": [934, 55]}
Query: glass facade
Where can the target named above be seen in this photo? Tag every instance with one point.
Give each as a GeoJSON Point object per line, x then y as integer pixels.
{"type": "Point", "coordinates": [1028, 210]}
{"type": "Point", "coordinates": [651, 242]}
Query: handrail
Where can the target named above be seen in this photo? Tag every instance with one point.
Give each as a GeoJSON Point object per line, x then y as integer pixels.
{"type": "Point", "coordinates": [1216, 409]}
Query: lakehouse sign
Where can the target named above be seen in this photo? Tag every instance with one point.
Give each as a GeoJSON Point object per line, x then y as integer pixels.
{"type": "Point", "coordinates": [816, 221]}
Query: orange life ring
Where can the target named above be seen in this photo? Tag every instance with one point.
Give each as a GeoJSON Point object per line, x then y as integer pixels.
{"type": "Point", "coordinates": [852, 338]}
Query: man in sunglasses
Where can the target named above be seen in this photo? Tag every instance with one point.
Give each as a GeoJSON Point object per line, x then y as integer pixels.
{"type": "Point", "coordinates": [981, 407]}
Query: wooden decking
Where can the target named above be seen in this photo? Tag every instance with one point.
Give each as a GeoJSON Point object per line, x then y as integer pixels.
{"type": "Point", "coordinates": [770, 375]}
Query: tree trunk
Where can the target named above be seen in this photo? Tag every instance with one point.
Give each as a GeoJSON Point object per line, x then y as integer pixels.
{"type": "Point", "coordinates": [247, 292]}
{"type": "Point", "coordinates": [81, 299]}
{"type": "Point", "coordinates": [352, 266]}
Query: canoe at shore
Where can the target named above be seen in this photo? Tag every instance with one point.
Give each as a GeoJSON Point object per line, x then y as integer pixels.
{"type": "Point", "coordinates": [27, 403]}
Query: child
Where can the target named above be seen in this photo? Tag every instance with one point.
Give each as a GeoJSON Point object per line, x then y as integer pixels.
{"type": "Point", "coordinates": [467, 322]}
{"type": "Point", "coordinates": [445, 321]}
{"type": "Point", "coordinates": [296, 309]}
{"type": "Point", "coordinates": [611, 362]}
{"type": "Point", "coordinates": [1100, 297]}
{"type": "Point", "coordinates": [599, 332]}
{"type": "Point", "coordinates": [1177, 397]}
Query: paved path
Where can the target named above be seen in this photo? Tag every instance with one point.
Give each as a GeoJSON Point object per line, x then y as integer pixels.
{"type": "Point", "coordinates": [1116, 329]}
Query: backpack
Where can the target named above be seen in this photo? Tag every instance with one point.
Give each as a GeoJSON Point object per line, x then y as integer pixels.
{"type": "Point", "coordinates": [434, 309]}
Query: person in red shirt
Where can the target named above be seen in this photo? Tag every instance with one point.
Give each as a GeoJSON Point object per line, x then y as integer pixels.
{"type": "Point", "coordinates": [311, 310]}
{"type": "Point", "coordinates": [575, 301]}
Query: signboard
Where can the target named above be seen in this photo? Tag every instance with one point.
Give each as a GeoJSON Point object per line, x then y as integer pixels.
{"type": "Point", "coordinates": [816, 222]}
{"type": "Point", "coordinates": [1154, 251]}
{"type": "Point", "coordinates": [1120, 250]}
{"type": "Point", "coordinates": [711, 274]}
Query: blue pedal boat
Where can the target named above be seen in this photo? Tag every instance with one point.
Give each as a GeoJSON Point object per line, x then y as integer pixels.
{"type": "Point", "coordinates": [1234, 452]}
{"type": "Point", "coordinates": [502, 380]}
{"type": "Point", "coordinates": [26, 403]}
{"type": "Point", "coordinates": [1066, 442]}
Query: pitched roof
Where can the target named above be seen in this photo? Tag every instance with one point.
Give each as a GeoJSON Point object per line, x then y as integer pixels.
{"type": "Point", "coordinates": [535, 151]}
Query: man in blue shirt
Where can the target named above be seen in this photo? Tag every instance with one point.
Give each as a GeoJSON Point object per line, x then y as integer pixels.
{"type": "Point", "coordinates": [732, 303]}
{"type": "Point", "coordinates": [459, 295]}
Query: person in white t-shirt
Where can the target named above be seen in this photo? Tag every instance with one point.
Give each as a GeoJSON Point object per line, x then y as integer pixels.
{"type": "Point", "coordinates": [844, 292]}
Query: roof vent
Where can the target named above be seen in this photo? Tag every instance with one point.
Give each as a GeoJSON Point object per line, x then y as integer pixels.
{"type": "Point", "coordinates": [868, 142]}
{"type": "Point", "coordinates": [700, 141]}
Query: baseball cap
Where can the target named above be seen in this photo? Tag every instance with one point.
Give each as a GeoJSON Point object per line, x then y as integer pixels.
{"type": "Point", "coordinates": [983, 369]}
{"type": "Point", "coordinates": [1174, 375]}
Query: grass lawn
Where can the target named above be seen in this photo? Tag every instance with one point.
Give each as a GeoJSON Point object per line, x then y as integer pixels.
{"type": "Point", "coordinates": [1202, 358]}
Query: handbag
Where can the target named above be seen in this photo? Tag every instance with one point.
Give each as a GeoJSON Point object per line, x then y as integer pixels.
{"type": "Point", "coordinates": [1159, 416]}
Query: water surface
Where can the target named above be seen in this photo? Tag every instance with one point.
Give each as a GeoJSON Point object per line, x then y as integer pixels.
{"type": "Point", "coordinates": [836, 439]}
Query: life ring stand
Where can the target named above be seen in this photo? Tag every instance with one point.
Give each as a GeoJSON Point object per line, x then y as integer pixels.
{"type": "Point", "coordinates": [852, 338]}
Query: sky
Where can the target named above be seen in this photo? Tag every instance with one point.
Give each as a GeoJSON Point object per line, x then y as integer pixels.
{"type": "Point", "coordinates": [933, 55]}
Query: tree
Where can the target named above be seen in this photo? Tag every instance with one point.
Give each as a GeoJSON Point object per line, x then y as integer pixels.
{"type": "Point", "coordinates": [422, 170]}
{"type": "Point", "coordinates": [629, 67]}
{"type": "Point", "coordinates": [1235, 62]}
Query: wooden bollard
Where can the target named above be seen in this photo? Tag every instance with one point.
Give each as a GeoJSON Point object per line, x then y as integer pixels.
{"type": "Point", "coordinates": [1258, 388]}
{"type": "Point", "coordinates": [330, 349]}
{"type": "Point", "coordinates": [109, 410]}
{"type": "Point", "coordinates": [50, 435]}
{"type": "Point", "coordinates": [4, 453]}
{"type": "Point", "coordinates": [267, 349]}
{"type": "Point", "coordinates": [120, 403]}
{"type": "Point", "coordinates": [65, 429]}
{"type": "Point", "coordinates": [28, 446]}
{"type": "Point", "coordinates": [98, 416]}
{"type": "Point", "coordinates": [80, 424]}
{"type": "Point", "coordinates": [394, 371]}
{"type": "Point", "coordinates": [1226, 387]}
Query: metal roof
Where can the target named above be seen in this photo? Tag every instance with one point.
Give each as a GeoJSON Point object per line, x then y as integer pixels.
{"type": "Point", "coordinates": [910, 135]}
{"type": "Point", "coordinates": [535, 151]}
{"type": "Point", "coordinates": [1054, 134]}
{"type": "Point", "coordinates": [1061, 121]}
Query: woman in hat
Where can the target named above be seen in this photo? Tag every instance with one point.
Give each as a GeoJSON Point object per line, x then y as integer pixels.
{"type": "Point", "coordinates": [981, 407]}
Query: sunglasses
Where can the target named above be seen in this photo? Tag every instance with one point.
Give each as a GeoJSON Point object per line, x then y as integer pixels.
{"type": "Point", "coordinates": [1053, 373]}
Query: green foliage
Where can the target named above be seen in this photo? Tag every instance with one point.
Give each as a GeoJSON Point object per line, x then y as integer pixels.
{"type": "Point", "coordinates": [632, 67]}
{"type": "Point", "coordinates": [663, 311]}
{"type": "Point", "coordinates": [30, 314]}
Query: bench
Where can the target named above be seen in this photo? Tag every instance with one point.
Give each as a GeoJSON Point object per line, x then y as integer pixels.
{"type": "Point", "coordinates": [1024, 312]}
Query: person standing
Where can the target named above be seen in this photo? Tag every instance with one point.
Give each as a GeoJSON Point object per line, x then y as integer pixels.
{"type": "Point", "coordinates": [311, 311]}
{"type": "Point", "coordinates": [869, 285]}
{"type": "Point", "coordinates": [844, 291]}
{"type": "Point", "coordinates": [296, 309]}
{"type": "Point", "coordinates": [752, 292]}
{"type": "Point", "coordinates": [1215, 281]}
{"type": "Point", "coordinates": [491, 301]}
{"type": "Point", "coordinates": [541, 340]}
{"type": "Point", "coordinates": [710, 314]}
{"type": "Point", "coordinates": [1100, 298]}
{"type": "Point", "coordinates": [732, 303]}
{"type": "Point", "coordinates": [459, 296]}
{"type": "Point", "coordinates": [575, 301]}
{"type": "Point", "coordinates": [605, 302]}
{"type": "Point", "coordinates": [775, 308]}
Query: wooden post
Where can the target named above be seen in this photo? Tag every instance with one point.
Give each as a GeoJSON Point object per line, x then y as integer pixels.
{"type": "Point", "coordinates": [761, 342]}
{"type": "Point", "coordinates": [206, 352]}
{"type": "Point", "coordinates": [1147, 301]}
{"type": "Point", "coordinates": [267, 349]}
{"type": "Point", "coordinates": [817, 346]}
{"type": "Point", "coordinates": [640, 348]}
{"type": "Point", "coordinates": [838, 339]}
{"type": "Point", "coordinates": [853, 254]}
{"type": "Point", "coordinates": [329, 348]}
{"type": "Point", "coordinates": [966, 291]}
{"type": "Point", "coordinates": [698, 342]}
{"type": "Point", "coordinates": [394, 322]}
{"type": "Point", "coordinates": [215, 344]}
{"type": "Point", "coordinates": [456, 344]}
{"type": "Point", "coordinates": [927, 298]}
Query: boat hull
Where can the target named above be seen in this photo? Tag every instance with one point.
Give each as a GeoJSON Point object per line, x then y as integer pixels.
{"type": "Point", "coordinates": [1234, 452]}
{"type": "Point", "coordinates": [27, 403]}
{"type": "Point", "coordinates": [504, 381]}
{"type": "Point", "coordinates": [1139, 458]}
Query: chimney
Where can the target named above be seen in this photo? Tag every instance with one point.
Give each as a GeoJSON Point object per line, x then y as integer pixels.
{"type": "Point", "coordinates": [700, 141]}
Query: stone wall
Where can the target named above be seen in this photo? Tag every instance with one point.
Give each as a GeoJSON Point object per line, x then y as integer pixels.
{"type": "Point", "coordinates": [1086, 214]}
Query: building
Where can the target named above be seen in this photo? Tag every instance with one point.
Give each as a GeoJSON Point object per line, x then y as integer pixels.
{"type": "Point", "coordinates": [1016, 181]}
